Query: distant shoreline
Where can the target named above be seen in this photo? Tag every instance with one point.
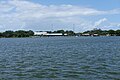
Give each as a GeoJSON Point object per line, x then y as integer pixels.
{"type": "Point", "coordinates": [30, 33]}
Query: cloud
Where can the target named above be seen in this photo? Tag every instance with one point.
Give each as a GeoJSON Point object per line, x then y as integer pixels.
{"type": "Point", "coordinates": [23, 14]}
{"type": "Point", "coordinates": [100, 22]}
{"type": "Point", "coordinates": [28, 9]}
{"type": "Point", "coordinates": [118, 25]}
{"type": "Point", "coordinates": [106, 24]}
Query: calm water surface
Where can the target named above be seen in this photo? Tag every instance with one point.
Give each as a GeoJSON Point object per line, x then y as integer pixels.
{"type": "Point", "coordinates": [60, 58]}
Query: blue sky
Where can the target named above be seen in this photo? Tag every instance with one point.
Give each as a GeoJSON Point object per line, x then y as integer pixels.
{"type": "Point", "coordinates": [98, 4]}
{"type": "Point", "coordinates": [59, 14]}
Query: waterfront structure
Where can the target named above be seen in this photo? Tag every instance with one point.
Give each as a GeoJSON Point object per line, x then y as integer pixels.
{"type": "Point", "coordinates": [87, 34]}
{"type": "Point", "coordinates": [42, 33]}
{"type": "Point", "coordinates": [39, 33]}
{"type": "Point", "coordinates": [54, 34]}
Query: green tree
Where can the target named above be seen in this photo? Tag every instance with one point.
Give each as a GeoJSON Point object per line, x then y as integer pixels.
{"type": "Point", "coordinates": [111, 32]}
{"type": "Point", "coordinates": [8, 34]}
{"type": "Point", "coordinates": [1, 35]}
{"type": "Point", "coordinates": [117, 32]}
{"type": "Point", "coordinates": [70, 33]}
{"type": "Point", "coordinates": [21, 33]}
{"type": "Point", "coordinates": [30, 33]}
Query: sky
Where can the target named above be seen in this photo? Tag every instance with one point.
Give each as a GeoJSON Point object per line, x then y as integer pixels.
{"type": "Point", "coordinates": [50, 15]}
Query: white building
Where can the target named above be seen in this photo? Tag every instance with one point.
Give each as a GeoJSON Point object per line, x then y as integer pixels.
{"type": "Point", "coordinates": [54, 34]}
{"type": "Point", "coordinates": [87, 34]}
{"type": "Point", "coordinates": [38, 33]}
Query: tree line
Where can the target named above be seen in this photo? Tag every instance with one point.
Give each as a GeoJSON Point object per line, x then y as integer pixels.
{"type": "Point", "coordinates": [19, 33]}
{"type": "Point", "coordinates": [100, 32]}
{"type": "Point", "coordinates": [103, 32]}
{"type": "Point", "coordinates": [22, 33]}
{"type": "Point", "coordinates": [68, 32]}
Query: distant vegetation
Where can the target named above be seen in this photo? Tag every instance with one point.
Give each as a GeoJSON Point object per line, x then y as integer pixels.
{"type": "Point", "coordinates": [103, 32]}
{"type": "Point", "coordinates": [22, 33]}
{"type": "Point", "coordinates": [99, 32]}
{"type": "Point", "coordinates": [68, 32]}
{"type": "Point", "coordinates": [19, 33]}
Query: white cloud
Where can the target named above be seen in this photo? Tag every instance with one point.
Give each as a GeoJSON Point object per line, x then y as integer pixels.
{"type": "Point", "coordinates": [106, 24]}
{"type": "Point", "coordinates": [18, 14]}
{"type": "Point", "coordinates": [118, 25]}
{"type": "Point", "coordinates": [100, 22]}
{"type": "Point", "coordinates": [34, 10]}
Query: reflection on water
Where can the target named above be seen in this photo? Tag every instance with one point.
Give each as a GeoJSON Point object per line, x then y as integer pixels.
{"type": "Point", "coordinates": [60, 58]}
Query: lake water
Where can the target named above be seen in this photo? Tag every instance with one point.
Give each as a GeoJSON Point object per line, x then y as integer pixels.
{"type": "Point", "coordinates": [60, 58]}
